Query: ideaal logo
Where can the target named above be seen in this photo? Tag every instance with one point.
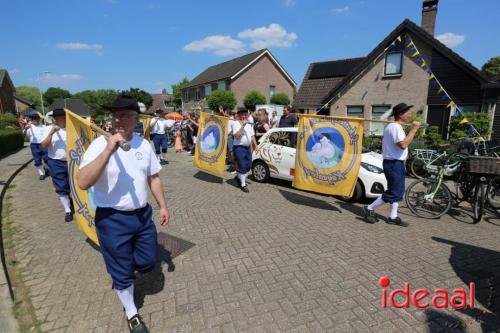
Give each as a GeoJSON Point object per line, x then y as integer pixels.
{"type": "Point", "coordinates": [423, 298]}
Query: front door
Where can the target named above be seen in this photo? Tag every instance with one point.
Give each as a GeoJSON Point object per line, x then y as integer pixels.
{"type": "Point", "coordinates": [439, 115]}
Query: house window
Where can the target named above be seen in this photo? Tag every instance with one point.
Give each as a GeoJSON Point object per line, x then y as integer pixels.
{"type": "Point", "coordinates": [208, 90]}
{"type": "Point", "coordinates": [470, 108]}
{"type": "Point", "coordinates": [393, 63]}
{"type": "Point", "coordinates": [272, 91]}
{"type": "Point", "coordinates": [377, 112]}
{"type": "Point", "coordinates": [355, 111]}
{"type": "Point", "coordinates": [186, 95]}
{"type": "Point", "coordinates": [221, 85]}
{"type": "Point", "coordinates": [197, 94]}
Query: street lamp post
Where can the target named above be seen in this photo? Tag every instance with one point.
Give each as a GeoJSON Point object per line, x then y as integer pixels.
{"type": "Point", "coordinates": [40, 90]}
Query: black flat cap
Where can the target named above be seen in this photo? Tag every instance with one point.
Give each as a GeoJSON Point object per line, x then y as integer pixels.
{"type": "Point", "coordinates": [242, 110]}
{"type": "Point", "coordinates": [124, 102]}
{"type": "Point", "coordinates": [400, 108]}
{"type": "Point", "coordinates": [58, 112]}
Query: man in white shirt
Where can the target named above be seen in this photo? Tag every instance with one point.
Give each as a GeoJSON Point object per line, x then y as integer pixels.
{"type": "Point", "coordinates": [55, 143]}
{"type": "Point", "coordinates": [244, 141]}
{"type": "Point", "coordinates": [159, 136]}
{"type": "Point", "coordinates": [395, 151]}
{"type": "Point", "coordinates": [35, 131]}
{"type": "Point", "coordinates": [124, 225]}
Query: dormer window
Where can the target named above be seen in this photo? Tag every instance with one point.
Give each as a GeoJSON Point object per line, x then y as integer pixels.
{"type": "Point", "coordinates": [393, 63]}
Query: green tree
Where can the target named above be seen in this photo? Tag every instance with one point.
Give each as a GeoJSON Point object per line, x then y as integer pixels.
{"type": "Point", "coordinates": [54, 93]}
{"type": "Point", "coordinates": [140, 95]}
{"type": "Point", "coordinates": [254, 98]}
{"type": "Point", "coordinates": [479, 120]}
{"type": "Point", "coordinates": [30, 93]}
{"type": "Point", "coordinates": [177, 92]}
{"type": "Point", "coordinates": [492, 66]}
{"type": "Point", "coordinates": [98, 101]}
{"type": "Point", "coordinates": [280, 99]}
{"type": "Point", "coordinates": [224, 98]}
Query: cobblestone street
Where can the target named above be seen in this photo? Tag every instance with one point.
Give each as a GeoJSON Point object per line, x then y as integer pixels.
{"type": "Point", "coordinates": [273, 260]}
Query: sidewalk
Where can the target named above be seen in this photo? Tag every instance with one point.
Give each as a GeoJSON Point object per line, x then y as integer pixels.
{"type": "Point", "coordinates": [8, 166]}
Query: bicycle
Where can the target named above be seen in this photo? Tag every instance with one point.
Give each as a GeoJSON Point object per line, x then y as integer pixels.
{"type": "Point", "coordinates": [431, 198]}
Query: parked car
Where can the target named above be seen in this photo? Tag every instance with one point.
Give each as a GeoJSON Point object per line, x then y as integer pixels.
{"type": "Point", "coordinates": [276, 159]}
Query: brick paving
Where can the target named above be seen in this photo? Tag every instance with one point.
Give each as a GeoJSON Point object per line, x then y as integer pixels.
{"type": "Point", "coordinates": [273, 260]}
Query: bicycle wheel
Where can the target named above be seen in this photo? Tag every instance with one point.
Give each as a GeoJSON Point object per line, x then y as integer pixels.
{"type": "Point", "coordinates": [493, 193]}
{"type": "Point", "coordinates": [417, 168]}
{"type": "Point", "coordinates": [432, 207]}
{"type": "Point", "coordinates": [478, 202]}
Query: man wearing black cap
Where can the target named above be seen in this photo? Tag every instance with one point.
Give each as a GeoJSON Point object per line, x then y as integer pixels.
{"type": "Point", "coordinates": [395, 151]}
{"type": "Point", "coordinates": [123, 218]}
{"type": "Point", "coordinates": [159, 136]}
{"type": "Point", "coordinates": [55, 143]}
{"type": "Point", "coordinates": [244, 140]}
{"type": "Point", "coordinates": [35, 131]}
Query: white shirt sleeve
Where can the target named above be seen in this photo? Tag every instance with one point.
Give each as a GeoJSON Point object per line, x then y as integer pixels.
{"type": "Point", "coordinates": [154, 165]}
{"type": "Point", "coordinates": [93, 150]}
{"type": "Point", "coordinates": [233, 127]}
{"type": "Point", "coordinates": [397, 133]}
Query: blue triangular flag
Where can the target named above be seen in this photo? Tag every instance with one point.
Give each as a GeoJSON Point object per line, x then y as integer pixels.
{"type": "Point", "coordinates": [471, 129]}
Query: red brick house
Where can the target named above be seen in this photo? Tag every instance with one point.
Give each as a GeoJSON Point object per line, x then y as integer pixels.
{"type": "Point", "coordinates": [7, 90]}
{"type": "Point", "coordinates": [160, 101]}
{"type": "Point", "coordinates": [258, 70]}
{"type": "Point", "coordinates": [367, 87]}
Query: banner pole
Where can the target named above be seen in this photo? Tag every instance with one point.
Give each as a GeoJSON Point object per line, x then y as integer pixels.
{"type": "Point", "coordinates": [346, 118]}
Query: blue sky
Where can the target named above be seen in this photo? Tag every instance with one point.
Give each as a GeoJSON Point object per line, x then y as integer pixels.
{"type": "Point", "coordinates": [151, 44]}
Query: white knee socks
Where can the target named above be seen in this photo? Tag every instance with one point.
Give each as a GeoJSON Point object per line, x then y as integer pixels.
{"type": "Point", "coordinates": [65, 202]}
{"type": "Point", "coordinates": [126, 296]}
{"type": "Point", "coordinates": [394, 210]}
{"type": "Point", "coordinates": [376, 204]}
{"type": "Point", "coordinates": [41, 170]}
{"type": "Point", "coordinates": [242, 177]}
{"type": "Point", "coordinates": [159, 157]}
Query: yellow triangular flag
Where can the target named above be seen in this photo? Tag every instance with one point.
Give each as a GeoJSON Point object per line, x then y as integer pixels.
{"type": "Point", "coordinates": [440, 90]}
{"type": "Point", "coordinates": [399, 39]}
{"type": "Point", "coordinates": [416, 53]}
{"type": "Point", "coordinates": [431, 76]}
{"type": "Point", "coordinates": [351, 82]}
{"type": "Point", "coordinates": [423, 64]}
{"type": "Point", "coordinates": [325, 106]}
{"type": "Point", "coordinates": [410, 44]}
{"type": "Point", "coordinates": [338, 95]}
{"type": "Point", "coordinates": [451, 105]}
{"type": "Point", "coordinates": [464, 121]}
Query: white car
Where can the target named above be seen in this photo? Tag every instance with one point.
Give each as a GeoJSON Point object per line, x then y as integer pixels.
{"type": "Point", "coordinates": [276, 159]}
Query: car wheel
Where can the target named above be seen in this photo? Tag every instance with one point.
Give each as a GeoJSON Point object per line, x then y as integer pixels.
{"type": "Point", "coordinates": [356, 195]}
{"type": "Point", "coordinates": [260, 172]}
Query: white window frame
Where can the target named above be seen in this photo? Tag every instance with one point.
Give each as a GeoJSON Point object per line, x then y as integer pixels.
{"type": "Point", "coordinates": [400, 64]}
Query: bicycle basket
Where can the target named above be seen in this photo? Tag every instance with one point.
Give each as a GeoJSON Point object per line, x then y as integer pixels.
{"type": "Point", "coordinates": [483, 165]}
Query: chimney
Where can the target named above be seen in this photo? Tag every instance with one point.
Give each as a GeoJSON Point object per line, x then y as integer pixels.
{"type": "Point", "coordinates": [164, 91]}
{"type": "Point", "coordinates": [429, 13]}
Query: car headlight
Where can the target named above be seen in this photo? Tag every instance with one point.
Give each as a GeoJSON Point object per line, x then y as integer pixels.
{"type": "Point", "coordinates": [372, 168]}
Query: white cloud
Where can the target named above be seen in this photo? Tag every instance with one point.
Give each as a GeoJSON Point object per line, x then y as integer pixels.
{"type": "Point", "coordinates": [341, 10]}
{"type": "Point", "coordinates": [79, 46]}
{"type": "Point", "coordinates": [450, 39]}
{"type": "Point", "coordinates": [220, 45]}
{"type": "Point", "coordinates": [289, 3]}
{"type": "Point", "coordinates": [274, 35]}
{"type": "Point", "coordinates": [61, 78]}
{"type": "Point", "coordinates": [14, 71]}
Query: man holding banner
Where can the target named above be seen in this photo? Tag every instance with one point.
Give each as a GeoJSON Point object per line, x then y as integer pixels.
{"type": "Point", "coordinates": [244, 140]}
{"type": "Point", "coordinates": [395, 151]}
{"type": "Point", "coordinates": [123, 217]}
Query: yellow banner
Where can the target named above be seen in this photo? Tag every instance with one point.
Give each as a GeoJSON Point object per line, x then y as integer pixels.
{"type": "Point", "coordinates": [78, 137]}
{"type": "Point", "coordinates": [328, 155]}
{"type": "Point", "coordinates": [211, 147]}
{"type": "Point", "coordinates": [146, 121]}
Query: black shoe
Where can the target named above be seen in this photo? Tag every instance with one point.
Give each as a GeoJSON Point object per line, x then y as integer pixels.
{"type": "Point", "coordinates": [369, 215]}
{"type": "Point", "coordinates": [136, 325]}
{"type": "Point", "coordinates": [163, 162]}
{"type": "Point", "coordinates": [68, 217]}
{"type": "Point", "coordinates": [397, 221]}
{"type": "Point", "coordinates": [245, 189]}
{"type": "Point", "coordinates": [42, 177]}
